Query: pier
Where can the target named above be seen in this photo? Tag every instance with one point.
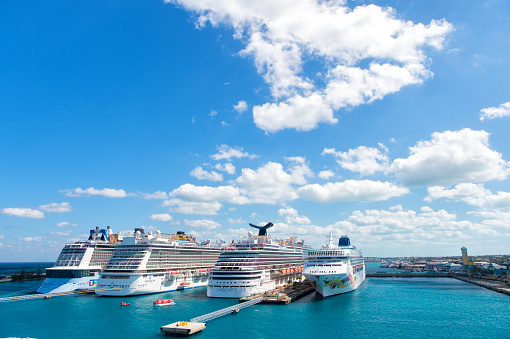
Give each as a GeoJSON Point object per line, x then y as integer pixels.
{"type": "Point", "coordinates": [195, 325]}
{"type": "Point", "coordinates": [282, 296]}
{"type": "Point", "coordinates": [41, 296]}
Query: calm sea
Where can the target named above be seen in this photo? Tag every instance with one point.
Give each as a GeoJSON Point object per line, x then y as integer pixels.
{"type": "Point", "coordinates": [380, 308]}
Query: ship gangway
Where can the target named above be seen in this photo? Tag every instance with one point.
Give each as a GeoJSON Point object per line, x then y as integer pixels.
{"type": "Point", "coordinates": [198, 324]}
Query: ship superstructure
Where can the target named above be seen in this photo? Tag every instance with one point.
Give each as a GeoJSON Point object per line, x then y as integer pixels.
{"type": "Point", "coordinates": [153, 263]}
{"type": "Point", "coordinates": [335, 269]}
{"type": "Point", "coordinates": [255, 264]}
{"type": "Point", "coordinates": [78, 265]}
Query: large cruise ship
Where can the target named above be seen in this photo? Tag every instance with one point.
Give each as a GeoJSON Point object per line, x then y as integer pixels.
{"type": "Point", "coordinates": [335, 269]}
{"type": "Point", "coordinates": [256, 264]}
{"type": "Point", "coordinates": [78, 265]}
{"type": "Point", "coordinates": [153, 263]}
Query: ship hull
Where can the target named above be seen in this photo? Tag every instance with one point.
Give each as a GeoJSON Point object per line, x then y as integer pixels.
{"type": "Point", "coordinates": [140, 284]}
{"type": "Point", "coordinates": [331, 284]}
{"type": "Point", "coordinates": [62, 285]}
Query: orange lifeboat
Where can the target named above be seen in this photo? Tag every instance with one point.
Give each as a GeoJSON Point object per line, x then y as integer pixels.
{"type": "Point", "coordinates": [186, 283]}
{"type": "Point", "coordinates": [164, 302]}
{"type": "Point", "coordinates": [174, 273]}
{"type": "Point", "coordinates": [124, 304]}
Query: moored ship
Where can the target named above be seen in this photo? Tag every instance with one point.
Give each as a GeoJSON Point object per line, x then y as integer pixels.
{"type": "Point", "coordinates": [78, 265]}
{"type": "Point", "coordinates": [255, 264]}
{"type": "Point", "coordinates": [153, 263]}
{"type": "Point", "coordinates": [335, 269]}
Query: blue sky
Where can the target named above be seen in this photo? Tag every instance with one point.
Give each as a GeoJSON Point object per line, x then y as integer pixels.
{"type": "Point", "coordinates": [384, 120]}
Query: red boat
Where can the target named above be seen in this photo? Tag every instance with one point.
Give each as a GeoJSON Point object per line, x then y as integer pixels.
{"type": "Point", "coordinates": [163, 302]}
{"type": "Point", "coordinates": [186, 283]}
{"type": "Point", "coordinates": [124, 304]}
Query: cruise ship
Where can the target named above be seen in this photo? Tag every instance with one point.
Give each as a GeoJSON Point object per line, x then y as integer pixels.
{"type": "Point", "coordinates": [151, 263]}
{"type": "Point", "coordinates": [335, 269]}
{"type": "Point", "coordinates": [78, 265]}
{"type": "Point", "coordinates": [255, 264]}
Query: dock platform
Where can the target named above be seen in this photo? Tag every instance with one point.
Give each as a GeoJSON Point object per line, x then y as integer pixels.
{"type": "Point", "coordinates": [282, 296]}
{"type": "Point", "coordinates": [182, 328]}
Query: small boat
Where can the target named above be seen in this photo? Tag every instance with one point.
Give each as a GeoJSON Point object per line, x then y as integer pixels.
{"type": "Point", "coordinates": [124, 304]}
{"type": "Point", "coordinates": [186, 283]}
{"type": "Point", "coordinates": [235, 311]}
{"type": "Point", "coordinates": [164, 302]}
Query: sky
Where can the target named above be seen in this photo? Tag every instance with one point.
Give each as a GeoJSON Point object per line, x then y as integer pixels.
{"type": "Point", "coordinates": [384, 120]}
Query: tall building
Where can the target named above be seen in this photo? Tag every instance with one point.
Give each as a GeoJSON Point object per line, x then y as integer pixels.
{"type": "Point", "coordinates": [465, 258]}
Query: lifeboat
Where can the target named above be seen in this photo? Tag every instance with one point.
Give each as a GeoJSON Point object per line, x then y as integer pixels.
{"type": "Point", "coordinates": [164, 302]}
{"type": "Point", "coordinates": [124, 304]}
{"type": "Point", "coordinates": [202, 271]}
{"type": "Point", "coordinates": [186, 283]}
{"type": "Point", "coordinates": [174, 273]}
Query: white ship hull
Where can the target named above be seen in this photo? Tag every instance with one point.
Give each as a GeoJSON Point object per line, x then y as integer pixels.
{"type": "Point", "coordinates": [139, 284]}
{"type": "Point", "coordinates": [61, 285]}
{"type": "Point", "coordinates": [335, 283]}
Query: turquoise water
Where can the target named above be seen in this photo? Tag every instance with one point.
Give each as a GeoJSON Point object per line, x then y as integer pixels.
{"type": "Point", "coordinates": [380, 308]}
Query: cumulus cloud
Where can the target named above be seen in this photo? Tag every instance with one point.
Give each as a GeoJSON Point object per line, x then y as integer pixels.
{"type": "Point", "coordinates": [61, 234]}
{"type": "Point", "coordinates": [495, 112]}
{"type": "Point", "coordinates": [63, 207]}
{"type": "Point", "coordinates": [205, 224]}
{"type": "Point", "coordinates": [227, 152]}
{"type": "Point", "coordinates": [450, 158]}
{"type": "Point", "coordinates": [292, 217]}
{"type": "Point", "coordinates": [364, 160]}
{"type": "Point", "coordinates": [66, 224]}
{"type": "Point", "coordinates": [192, 207]}
{"type": "Point", "coordinates": [30, 239]}
{"type": "Point", "coordinates": [23, 212]}
{"type": "Point", "coordinates": [351, 190]}
{"type": "Point", "coordinates": [366, 53]}
{"type": "Point", "coordinates": [241, 107]}
{"type": "Point", "coordinates": [326, 174]}
{"type": "Point", "coordinates": [227, 167]}
{"type": "Point", "coordinates": [202, 174]}
{"type": "Point", "coordinates": [161, 217]}
{"type": "Point", "coordinates": [191, 192]}
{"type": "Point", "coordinates": [473, 194]}
{"type": "Point", "coordinates": [91, 191]}
{"type": "Point", "coordinates": [159, 195]}
{"type": "Point", "coordinates": [271, 184]}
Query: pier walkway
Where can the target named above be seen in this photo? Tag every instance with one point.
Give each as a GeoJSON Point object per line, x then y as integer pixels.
{"type": "Point", "coordinates": [41, 296]}
{"type": "Point", "coordinates": [195, 325]}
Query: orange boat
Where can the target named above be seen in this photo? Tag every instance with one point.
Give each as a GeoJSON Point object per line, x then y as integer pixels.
{"type": "Point", "coordinates": [124, 304]}
{"type": "Point", "coordinates": [164, 302]}
{"type": "Point", "coordinates": [186, 283]}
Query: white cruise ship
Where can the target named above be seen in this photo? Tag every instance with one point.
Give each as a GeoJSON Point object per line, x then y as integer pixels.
{"type": "Point", "coordinates": [78, 265]}
{"type": "Point", "coordinates": [255, 264]}
{"type": "Point", "coordinates": [153, 263]}
{"type": "Point", "coordinates": [335, 269]}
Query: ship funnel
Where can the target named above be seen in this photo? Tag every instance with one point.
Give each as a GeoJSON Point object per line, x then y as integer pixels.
{"type": "Point", "coordinates": [344, 241]}
{"type": "Point", "coordinates": [262, 229]}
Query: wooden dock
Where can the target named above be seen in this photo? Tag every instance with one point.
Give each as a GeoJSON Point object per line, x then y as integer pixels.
{"type": "Point", "coordinates": [282, 296]}
{"type": "Point", "coordinates": [182, 328]}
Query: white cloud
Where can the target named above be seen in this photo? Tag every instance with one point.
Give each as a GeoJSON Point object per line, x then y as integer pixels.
{"type": "Point", "coordinates": [202, 174]}
{"type": "Point", "coordinates": [91, 191]}
{"type": "Point", "coordinates": [159, 195]}
{"type": "Point", "coordinates": [61, 234]}
{"type": "Point", "coordinates": [213, 113]}
{"type": "Point", "coordinates": [66, 224]}
{"type": "Point", "coordinates": [23, 212]}
{"type": "Point", "coordinates": [227, 167]}
{"type": "Point", "coordinates": [283, 37]}
{"type": "Point", "coordinates": [238, 221]}
{"type": "Point", "coordinates": [473, 194]}
{"type": "Point", "coordinates": [192, 207]}
{"type": "Point", "coordinates": [495, 112]}
{"type": "Point", "coordinates": [191, 192]}
{"type": "Point", "coordinates": [351, 190]}
{"type": "Point", "coordinates": [205, 224]}
{"type": "Point", "coordinates": [326, 174]}
{"type": "Point", "coordinates": [364, 160]}
{"type": "Point", "coordinates": [227, 152]}
{"type": "Point", "coordinates": [451, 157]}
{"type": "Point", "coordinates": [292, 217]}
{"type": "Point", "coordinates": [63, 207]}
{"type": "Point", "coordinates": [271, 184]}
{"type": "Point", "coordinates": [161, 217]}
{"type": "Point", "coordinates": [30, 239]}
{"type": "Point", "coordinates": [496, 218]}
{"type": "Point", "coordinates": [241, 107]}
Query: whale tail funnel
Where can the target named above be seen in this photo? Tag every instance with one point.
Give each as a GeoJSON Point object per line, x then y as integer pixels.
{"type": "Point", "coordinates": [262, 229]}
